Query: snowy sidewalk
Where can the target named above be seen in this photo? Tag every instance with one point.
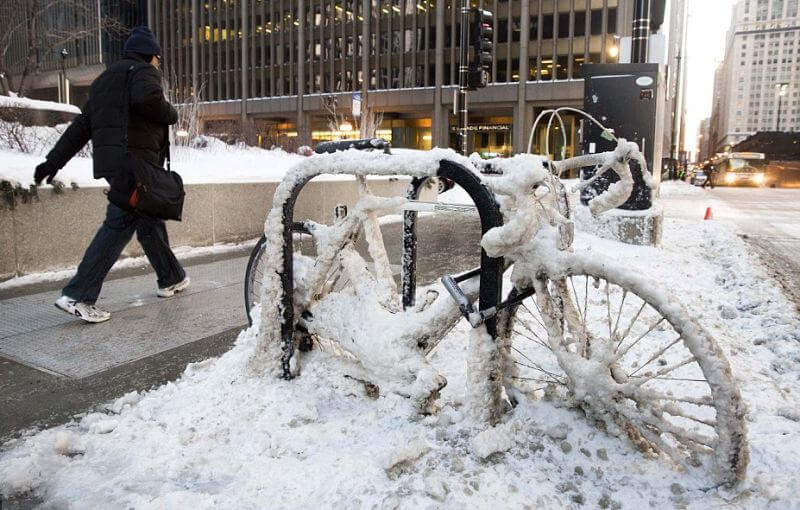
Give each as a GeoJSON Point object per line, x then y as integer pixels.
{"type": "Point", "coordinates": [40, 343]}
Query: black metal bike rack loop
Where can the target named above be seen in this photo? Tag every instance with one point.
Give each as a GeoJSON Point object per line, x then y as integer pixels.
{"type": "Point", "coordinates": [491, 268]}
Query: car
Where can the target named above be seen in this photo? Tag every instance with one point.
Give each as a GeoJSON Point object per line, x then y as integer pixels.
{"type": "Point", "coordinates": [698, 178]}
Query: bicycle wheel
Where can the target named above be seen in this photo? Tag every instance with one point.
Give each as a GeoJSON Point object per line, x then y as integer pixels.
{"type": "Point", "coordinates": [253, 278]}
{"type": "Point", "coordinates": [634, 361]}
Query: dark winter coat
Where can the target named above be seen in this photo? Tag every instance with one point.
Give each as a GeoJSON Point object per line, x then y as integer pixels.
{"type": "Point", "coordinates": [102, 119]}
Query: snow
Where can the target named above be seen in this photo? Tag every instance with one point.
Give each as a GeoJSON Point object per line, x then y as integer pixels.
{"type": "Point", "coordinates": [217, 162]}
{"type": "Point", "coordinates": [36, 104]}
{"type": "Point", "coordinates": [183, 253]}
{"type": "Point", "coordinates": [222, 437]}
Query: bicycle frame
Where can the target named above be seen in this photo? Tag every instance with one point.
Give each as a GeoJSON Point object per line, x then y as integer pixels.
{"type": "Point", "coordinates": [490, 290]}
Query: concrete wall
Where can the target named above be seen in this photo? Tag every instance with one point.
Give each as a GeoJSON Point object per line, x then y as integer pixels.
{"type": "Point", "coordinates": [54, 231]}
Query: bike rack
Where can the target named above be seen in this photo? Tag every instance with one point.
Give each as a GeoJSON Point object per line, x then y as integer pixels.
{"type": "Point", "coordinates": [490, 270]}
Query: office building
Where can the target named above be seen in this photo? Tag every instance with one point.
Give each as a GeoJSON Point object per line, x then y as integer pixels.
{"type": "Point", "coordinates": [281, 65]}
{"type": "Point", "coordinates": [757, 86]}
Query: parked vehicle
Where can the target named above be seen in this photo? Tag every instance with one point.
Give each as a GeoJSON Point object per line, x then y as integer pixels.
{"type": "Point", "coordinates": [698, 178]}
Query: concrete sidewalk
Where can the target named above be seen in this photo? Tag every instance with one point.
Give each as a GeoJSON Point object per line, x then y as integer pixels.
{"type": "Point", "coordinates": [53, 365]}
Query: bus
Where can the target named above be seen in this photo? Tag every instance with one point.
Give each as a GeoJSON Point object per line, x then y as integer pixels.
{"type": "Point", "coordinates": [738, 169]}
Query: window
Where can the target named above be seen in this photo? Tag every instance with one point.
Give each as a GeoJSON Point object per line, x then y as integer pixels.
{"type": "Point", "coordinates": [533, 34]}
{"type": "Point", "coordinates": [562, 67]}
{"type": "Point", "coordinates": [502, 31]}
{"type": "Point", "coordinates": [777, 9]}
{"type": "Point", "coordinates": [612, 21]}
{"type": "Point", "coordinates": [577, 67]}
{"type": "Point", "coordinates": [515, 30]}
{"type": "Point", "coordinates": [547, 27]}
{"type": "Point", "coordinates": [597, 22]}
{"type": "Point", "coordinates": [580, 23]}
{"type": "Point", "coordinates": [501, 77]}
{"type": "Point", "coordinates": [563, 25]}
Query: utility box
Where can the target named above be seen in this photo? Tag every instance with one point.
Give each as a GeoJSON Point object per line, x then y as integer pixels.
{"type": "Point", "coordinates": [629, 99]}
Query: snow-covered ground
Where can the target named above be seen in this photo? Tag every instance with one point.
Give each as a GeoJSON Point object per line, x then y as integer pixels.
{"type": "Point", "coordinates": [223, 437]}
{"type": "Point", "coordinates": [217, 162]}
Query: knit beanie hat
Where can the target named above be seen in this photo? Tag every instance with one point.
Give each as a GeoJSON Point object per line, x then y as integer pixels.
{"type": "Point", "coordinates": [143, 42]}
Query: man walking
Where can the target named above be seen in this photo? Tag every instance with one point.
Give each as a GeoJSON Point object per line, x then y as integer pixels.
{"type": "Point", "coordinates": [709, 177]}
{"type": "Point", "coordinates": [135, 77]}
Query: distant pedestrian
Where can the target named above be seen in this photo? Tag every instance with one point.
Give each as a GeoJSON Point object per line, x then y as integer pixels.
{"type": "Point", "coordinates": [709, 177]}
{"type": "Point", "coordinates": [102, 120]}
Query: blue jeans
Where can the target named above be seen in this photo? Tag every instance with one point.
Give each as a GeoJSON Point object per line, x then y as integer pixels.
{"type": "Point", "coordinates": [108, 243]}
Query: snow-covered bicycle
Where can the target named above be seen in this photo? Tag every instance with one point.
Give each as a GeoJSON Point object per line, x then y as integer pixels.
{"type": "Point", "coordinates": [574, 325]}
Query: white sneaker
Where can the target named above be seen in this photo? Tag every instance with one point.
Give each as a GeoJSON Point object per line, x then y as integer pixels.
{"type": "Point", "coordinates": [172, 289]}
{"type": "Point", "coordinates": [88, 313]}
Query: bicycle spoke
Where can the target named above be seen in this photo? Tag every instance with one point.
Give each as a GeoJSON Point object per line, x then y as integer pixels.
{"type": "Point", "coordinates": [532, 315]}
{"type": "Point", "coordinates": [650, 330]}
{"type": "Point", "coordinates": [661, 372]}
{"type": "Point", "coordinates": [679, 379]}
{"type": "Point", "coordinates": [630, 326]}
{"type": "Point", "coordinates": [619, 313]}
{"type": "Point", "coordinates": [679, 433]}
{"type": "Point", "coordinates": [674, 410]}
{"type": "Point", "coordinates": [534, 365]}
{"type": "Point", "coordinates": [656, 355]}
{"type": "Point", "coordinates": [656, 441]}
{"type": "Point", "coordinates": [545, 381]}
{"type": "Point", "coordinates": [540, 369]}
{"type": "Point", "coordinates": [651, 394]}
{"type": "Point", "coordinates": [536, 340]}
{"type": "Point", "coordinates": [608, 307]}
{"type": "Point", "coordinates": [528, 327]}
{"type": "Point", "coordinates": [577, 305]}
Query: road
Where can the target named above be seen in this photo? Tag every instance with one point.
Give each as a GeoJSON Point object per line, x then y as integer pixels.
{"type": "Point", "coordinates": [767, 218]}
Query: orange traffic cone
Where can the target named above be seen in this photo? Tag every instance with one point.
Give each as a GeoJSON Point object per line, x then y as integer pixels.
{"type": "Point", "coordinates": [709, 216]}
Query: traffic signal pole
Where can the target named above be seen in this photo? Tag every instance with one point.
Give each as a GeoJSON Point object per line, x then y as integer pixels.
{"type": "Point", "coordinates": [476, 31]}
{"type": "Point", "coordinates": [463, 74]}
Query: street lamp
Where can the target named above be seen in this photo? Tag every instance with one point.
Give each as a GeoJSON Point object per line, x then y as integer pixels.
{"type": "Point", "coordinates": [783, 89]}
{"type": "Point", "coordinates": [613, 50]}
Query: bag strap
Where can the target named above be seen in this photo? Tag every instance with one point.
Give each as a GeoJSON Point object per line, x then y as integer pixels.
{"type": "Point", "coordinates": [126, 105]}
{"type": "Point", "coordinates": [126, 101]}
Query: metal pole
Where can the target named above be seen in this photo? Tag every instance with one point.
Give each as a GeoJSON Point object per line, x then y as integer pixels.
{"type": "Point", "coordinates": [641, 31]}
{"type": "Point", "coordinates": [100, 31]}
{"type": "Point", "coordinates": [780, 100]}
{"type": "Point", "coordinates": [463, 71]}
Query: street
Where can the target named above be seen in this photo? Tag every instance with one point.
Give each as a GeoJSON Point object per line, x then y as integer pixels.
{"type": "Point", "coordinates": [767, 218]}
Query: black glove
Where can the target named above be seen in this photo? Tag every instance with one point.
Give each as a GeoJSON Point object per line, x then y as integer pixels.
{"type": "Point", "coordinates": [46, 169]}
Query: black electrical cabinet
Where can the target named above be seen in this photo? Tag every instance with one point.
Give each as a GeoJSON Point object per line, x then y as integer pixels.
{"type": "Point", "coordinates": [629, 99]}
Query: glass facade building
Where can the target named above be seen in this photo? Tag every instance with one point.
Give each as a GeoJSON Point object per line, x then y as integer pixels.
{"type": "Point", "coordinates": [91, 31]}
{"type": "Point", "coordinates": [278, 63]}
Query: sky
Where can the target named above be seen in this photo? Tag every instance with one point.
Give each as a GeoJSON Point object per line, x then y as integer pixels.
{"type": "Point", "coordinates": [709, 20]}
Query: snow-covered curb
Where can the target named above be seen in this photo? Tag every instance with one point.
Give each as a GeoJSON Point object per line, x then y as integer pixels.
{"type": "Point", "coordinates": [184, 253]}
{"type": "Point", "coordinates": [36, 104]}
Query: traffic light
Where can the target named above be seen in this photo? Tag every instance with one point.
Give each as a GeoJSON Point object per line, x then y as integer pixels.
{"type": "Point", "coordinates": [481, 41]}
